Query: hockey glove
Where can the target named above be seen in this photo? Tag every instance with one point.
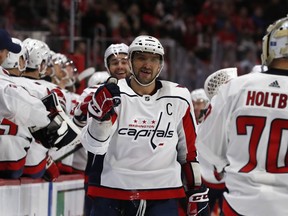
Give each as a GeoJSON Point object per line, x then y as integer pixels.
{"type": "Point", "coordinates": [51, 135]}
{"type": "Point", "coordinates": [105, 98]}
{"type": "Point", "coordinates": [198, 202]}
{"type": "Point", "coordinates": [80, 112]}
{"type": "Point", "coordinates": [52, 171]}
{"type": "Point", "coordinates": [56, 130]}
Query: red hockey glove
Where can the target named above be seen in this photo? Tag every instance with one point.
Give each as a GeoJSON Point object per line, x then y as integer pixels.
{"type": "Point", "coordinates": [105, 98]}
{"type": "Point", "coordinates": [80, 112]}
{"type": "Point", "coordinates": [198, 202]}
{"type": "Point", "coordinates": [52, 171]}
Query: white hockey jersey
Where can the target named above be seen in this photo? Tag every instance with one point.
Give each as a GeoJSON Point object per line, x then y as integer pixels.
{"type": "Point", "coordinates": [61, 94]}
{"type": "Point", "coordinates": [36, 156]}
{"type": "Point", "coordinates": [246, 133]}
{"type": "Point", "coordinates": [149, 140]}
{"type": "Point", "coordinates": [18, 111]}
{"type": "Point", "coordinates": [32, 86]}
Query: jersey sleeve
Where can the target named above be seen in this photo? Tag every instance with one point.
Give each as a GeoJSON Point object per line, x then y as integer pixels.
{"type": "Point", "coordinates": [95, 136]}
{"type": "Point", "coordinates": [187, 133]}
{"type": "Point", "coordinates": [187, 154]}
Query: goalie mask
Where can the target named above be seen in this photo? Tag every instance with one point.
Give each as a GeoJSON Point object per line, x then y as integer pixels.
{"type": "Point", "coordinates": [146, 44]}
{"type": "Point", "coordinates": [275, 42]}
{"type": "Point", "coordinates": [218, 78]}
{"type": "Point", "coordinates": [13, 59]}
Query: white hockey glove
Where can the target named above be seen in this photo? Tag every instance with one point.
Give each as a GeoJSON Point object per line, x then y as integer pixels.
{"type": "Point", "coordinates": [104, 100]}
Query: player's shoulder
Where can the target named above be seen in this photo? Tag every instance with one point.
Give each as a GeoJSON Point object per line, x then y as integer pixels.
{"type": "Point", "coordinates": [3, 71]}
{"type": "Point", "coordinates": [172, 85]}
{"type": "Point", "coordinates": [174, 89]}
{"type": "Point", "coordinates": [5, 80]}
{"type": "Point", "coordinates": [251, 80]}
{"type": "Point", "coordinates": [125, 86]}
{"type": "Point", "coordinates": [122, 82]}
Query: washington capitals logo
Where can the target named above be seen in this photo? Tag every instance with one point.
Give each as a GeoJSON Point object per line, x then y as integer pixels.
{"type": "Point", "coordinates": [147, 128]}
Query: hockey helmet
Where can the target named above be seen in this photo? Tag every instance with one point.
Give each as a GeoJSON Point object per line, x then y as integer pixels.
{"type": "Point", "coordinates": [38, 54]}
{"type": "Point", "coordinates": [114, 49]}
{"type": "Point", "coordinates": [147, 44]}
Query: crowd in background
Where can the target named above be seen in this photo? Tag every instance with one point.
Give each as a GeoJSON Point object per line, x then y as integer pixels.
{"type": "Point", "coordinates": [206, 35]}
{"type": "Point", "coordinates": [196, 26]}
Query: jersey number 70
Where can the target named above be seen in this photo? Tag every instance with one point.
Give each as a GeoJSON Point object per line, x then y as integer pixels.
{"type": "Point", "coordinates": [258, 124]}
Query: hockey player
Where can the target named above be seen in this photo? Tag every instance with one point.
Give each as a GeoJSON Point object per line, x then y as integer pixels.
{"type": "Point", "coordinates": [116, 60]}
{"type": "Point", "coordinates": [38, 164]}
{"type": "Point", "coordinates": [39, 54]}
{"type": "Point", "coordinates": [7, 45]}
{"type": "Point", "coordinates": [142, 132]}
{"type": "Point", "coordinates": [200, 103]}
{"type": "Point", "coordinates": [213, 180]}
{"type": "Point", "coordinates": [116, 63]}
{"type": "Point", "coordinates": [22, 117]}
{"type": "Point", "coordinates": [63, 77]}
{"type": "Point", "coordinates": [19, 110]}
{"type": "Point", "coordinates": [245, 133]}
{"type": "Point", "coordinates": [37, 160]}
{"type": "Point", "coordinates": [16, 63]}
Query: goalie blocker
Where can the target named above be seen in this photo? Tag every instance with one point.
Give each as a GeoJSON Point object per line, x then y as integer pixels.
{"type": "Point", "coordinates": [61, 131]}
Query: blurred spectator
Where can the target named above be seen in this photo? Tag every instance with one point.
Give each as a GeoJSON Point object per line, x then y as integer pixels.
{"type": "Point", "coordinates": [95, 16]}
{"type": "Point", "coordinates": [193, 27]}
{"type": "Point", "coordinates": [133, 18]}
{"type": "Point", "coordinates": [242, 21]}
{"type": "Point", "coordinates": [206, 17]}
